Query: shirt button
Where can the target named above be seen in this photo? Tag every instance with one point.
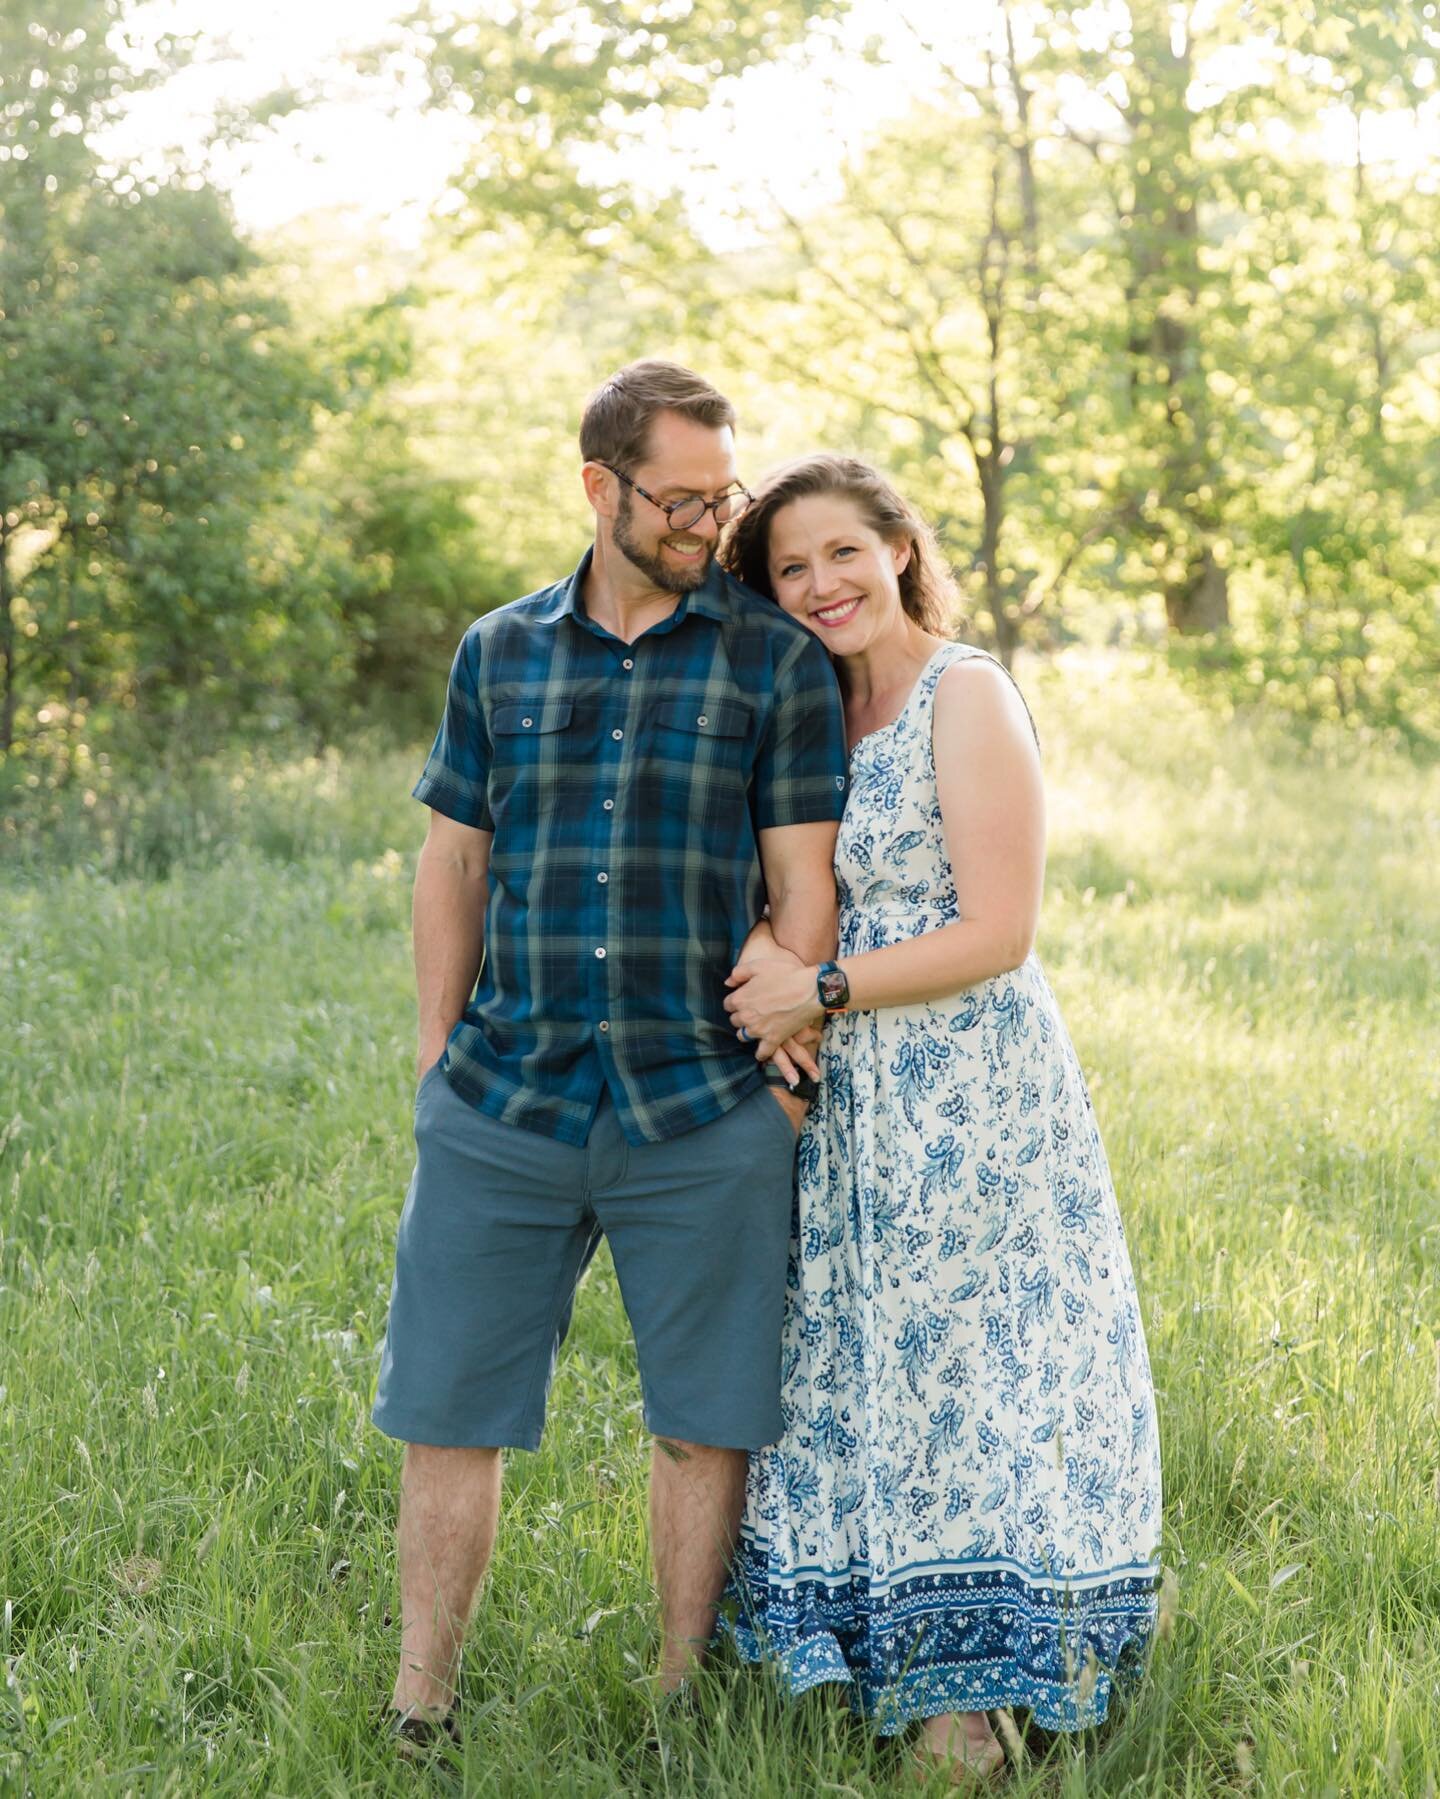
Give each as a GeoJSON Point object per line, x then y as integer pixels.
{"type": "Point", "coordinates": [627, 663]}
{"type": "Point", "coordinates": [617, 735]}
{"type": "Point", "coordinates": [609, 805]}
{"type": "Point", "coordinates": [702, 721]}
{"type": "Point", "coordinates": [602, 878]}
{"type": "Point", "coordinates": [599, 955]}
{"type": "Point", "coordinates": [604, 1024]}
{"type": "Point", "coordinates": [527, 722]}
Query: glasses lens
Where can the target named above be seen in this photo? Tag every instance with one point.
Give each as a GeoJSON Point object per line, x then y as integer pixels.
{"type": "Point", "coordinates": [730, 506]}
{"type": "Point", "coordinates": [687, 513]}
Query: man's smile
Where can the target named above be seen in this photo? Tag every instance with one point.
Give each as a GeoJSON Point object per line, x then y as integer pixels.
{"type": "Point", "coordinates": [691, 549]}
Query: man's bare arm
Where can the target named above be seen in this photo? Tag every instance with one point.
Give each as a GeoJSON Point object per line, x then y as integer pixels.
{"type": "Point", "coordinates": [799, 866]}
{"type": "Point", "coordinates": [452, 888]}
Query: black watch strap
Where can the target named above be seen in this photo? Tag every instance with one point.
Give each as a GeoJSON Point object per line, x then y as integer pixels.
{"type": "Point", "coordinates": [807, 1087]}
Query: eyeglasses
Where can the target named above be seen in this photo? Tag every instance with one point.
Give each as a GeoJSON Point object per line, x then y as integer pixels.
{"type": "Point", "coordinates": [681, 514]}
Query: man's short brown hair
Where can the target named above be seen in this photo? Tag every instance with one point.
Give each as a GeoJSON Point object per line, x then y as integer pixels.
{"type": "Point", "coordinates": [615, 426]}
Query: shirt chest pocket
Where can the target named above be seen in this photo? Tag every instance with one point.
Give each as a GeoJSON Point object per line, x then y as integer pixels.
{"type": "Point", "coordinates": [696, 761]}
{"type": "Point", "coordinates": [537, 744]}
{"type": "Point", "coordinates": [717, 730]}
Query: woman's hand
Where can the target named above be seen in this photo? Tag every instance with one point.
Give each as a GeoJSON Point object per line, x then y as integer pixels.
{"type": "Point", "coordinates": [796, 1055]}
{"type": "Point", "coordinates": [771, 1001]}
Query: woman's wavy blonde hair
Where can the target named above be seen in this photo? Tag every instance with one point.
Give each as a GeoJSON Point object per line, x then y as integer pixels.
{"type": "Point", "coordinates": [927, 588]}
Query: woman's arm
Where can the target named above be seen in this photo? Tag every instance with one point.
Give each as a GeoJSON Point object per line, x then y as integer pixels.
{"type": "Point", "coordinates": [993, 810]}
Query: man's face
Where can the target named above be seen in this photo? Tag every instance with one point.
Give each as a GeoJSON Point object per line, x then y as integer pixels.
{"type": "Point", "coordinates": [682, 459]}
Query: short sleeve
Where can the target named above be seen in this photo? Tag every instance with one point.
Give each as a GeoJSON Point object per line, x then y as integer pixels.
{"type": "Point", "coordinates": [800, 773]}
{"type": "Point", "coordinates": [455, 776]}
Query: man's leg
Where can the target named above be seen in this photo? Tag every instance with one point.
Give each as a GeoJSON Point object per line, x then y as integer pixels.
{"type": "Point", "coordinates": [493, 1238]}
{"type": "Point", "coordinates": [696, 1496]}
{"type": "Point", "coordinates": [699, 1227]}
{"type": "Point", "coordinates": [449, 1508]}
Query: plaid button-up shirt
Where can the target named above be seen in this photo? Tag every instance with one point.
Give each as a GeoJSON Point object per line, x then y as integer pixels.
{"type": "Point", "coordinates": [625, 784]}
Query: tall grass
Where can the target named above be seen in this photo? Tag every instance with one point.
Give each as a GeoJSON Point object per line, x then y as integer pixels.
{"type": "Point", "coordinates": [204, 1110]}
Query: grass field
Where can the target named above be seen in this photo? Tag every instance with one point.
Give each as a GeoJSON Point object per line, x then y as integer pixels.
{"type": "Point", "coordinates": [204, 1142]}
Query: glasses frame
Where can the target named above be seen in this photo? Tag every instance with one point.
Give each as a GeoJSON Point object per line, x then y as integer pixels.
{"type": "Point", "coordinates": [712, 506]}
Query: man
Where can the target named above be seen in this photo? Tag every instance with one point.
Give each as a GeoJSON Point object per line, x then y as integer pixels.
{"type": "Point", "coordinates": [632, 762]}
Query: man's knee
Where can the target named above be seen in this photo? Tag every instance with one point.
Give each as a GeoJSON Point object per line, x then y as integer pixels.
{"type": "Point", "coordinates": [434, 1464]}
{"type": "Point", "coordinates": [677, 1451]}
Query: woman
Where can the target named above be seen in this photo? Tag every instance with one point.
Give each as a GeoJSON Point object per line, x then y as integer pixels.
{"type": "Point", "coordinates": [963, 1513]}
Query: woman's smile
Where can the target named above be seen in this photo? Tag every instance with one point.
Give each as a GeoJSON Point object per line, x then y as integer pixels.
{"type": "Point", "coordinates": [837, 612]}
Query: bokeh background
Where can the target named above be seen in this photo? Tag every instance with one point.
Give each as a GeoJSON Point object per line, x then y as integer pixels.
{"type": "Point", "coordinates": [298, 308]}
{"type": "Point", "coordinates": [1141, 303]}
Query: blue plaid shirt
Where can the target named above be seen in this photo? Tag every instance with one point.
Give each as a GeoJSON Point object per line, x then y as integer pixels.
{"type": "Point", "coordinates": [625, 784]}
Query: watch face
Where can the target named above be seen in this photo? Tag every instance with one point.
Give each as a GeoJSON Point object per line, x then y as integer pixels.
{"type": "Point", "coordinates": [834, 988]}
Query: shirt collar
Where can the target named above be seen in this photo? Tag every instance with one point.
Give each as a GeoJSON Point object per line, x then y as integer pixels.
{"type": "Point", "coordinates": [712, 598]}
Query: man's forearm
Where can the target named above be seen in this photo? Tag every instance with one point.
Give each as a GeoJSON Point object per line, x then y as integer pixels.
{"type": "Point", "coordinates": [804, 920]}
{"type": "Point", "coordinates": [449, 933]}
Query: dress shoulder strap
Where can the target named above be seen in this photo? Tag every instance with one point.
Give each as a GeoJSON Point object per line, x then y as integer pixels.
{"type": "Point", "coordinates": [953, 653]}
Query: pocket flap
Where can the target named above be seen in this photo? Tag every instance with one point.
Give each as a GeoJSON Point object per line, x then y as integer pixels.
{"type": "Point", "coordinates": [722, 718]}
{"type": "Point", "coordinates": [532, 720]}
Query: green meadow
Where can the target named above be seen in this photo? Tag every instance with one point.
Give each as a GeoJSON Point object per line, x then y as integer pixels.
{"type": "Point", "coordinates": [205, 1093]}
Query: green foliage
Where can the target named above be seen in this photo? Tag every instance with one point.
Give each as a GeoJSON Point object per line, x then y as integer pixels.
{"type": "Point", "coordinates": [204, 1116]}
{"type": "Point", "coordinates": [1107, 305]}
{"type": "Point", "coordinates": [153, 406]}
{"type": "Point", "coordinates": [217, 514]}
{"type": "Point", "coordinates": [545, 81]}
{"type": "Point", "coordinates": [1160, 363]}
{"type": "Point", "coordinates": [416, 569]}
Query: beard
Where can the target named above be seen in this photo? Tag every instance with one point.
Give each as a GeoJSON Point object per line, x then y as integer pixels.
{"type": "Point", "coordinates": [658, 572]}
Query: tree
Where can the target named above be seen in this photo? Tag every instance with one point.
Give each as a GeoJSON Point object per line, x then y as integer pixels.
{"type": "Point", "coordinates": [1335, 279]}
{"type": "Point", "coordinates": [56, 81]}
{"type": "Point", "coordinates": [952, 315]}
{"type": "Point", "coordinates": [554, 86]}
{"type": "Point", "coordinates": [152, 405]}
{"type": "Point", "coordinates": [1164, 193]}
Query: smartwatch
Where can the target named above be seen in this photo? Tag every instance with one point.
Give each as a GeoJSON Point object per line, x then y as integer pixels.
{"type": "Point", "coordinates": [832, 987]}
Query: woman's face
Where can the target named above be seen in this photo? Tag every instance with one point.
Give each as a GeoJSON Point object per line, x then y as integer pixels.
{"type": "Point", "coordinates": [834, 573]}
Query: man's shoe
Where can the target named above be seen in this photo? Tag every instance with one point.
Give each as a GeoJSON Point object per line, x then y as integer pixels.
{"type": "Point", "coordinates": [416, 1738]}
{"type": "Point", "coordinates": [681, 1706]}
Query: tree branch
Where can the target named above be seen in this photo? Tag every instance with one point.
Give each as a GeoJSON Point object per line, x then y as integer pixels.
{"type": "Point", "coordinates": [1037, 596]}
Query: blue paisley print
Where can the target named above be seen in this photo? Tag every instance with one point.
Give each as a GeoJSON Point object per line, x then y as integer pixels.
{"type": "Point", "coordinates": [963, 1511]}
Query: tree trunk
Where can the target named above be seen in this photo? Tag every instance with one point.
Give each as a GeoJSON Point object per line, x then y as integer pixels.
{"type": "Point", "coordinates": [1167, 374]}
{"type": "Point", "coordinates": [1024, 157]}
{"type": "Point", "coordinates": [1374, 319]}
{"type": "Point", "coordinates": [7, 646]}
{"type": "Point", "coordinates": [991, 454]}
{"type": "Point", "coordinates": [1002, 617]}
{"type": "Point", "coordinates": [1200, 600]}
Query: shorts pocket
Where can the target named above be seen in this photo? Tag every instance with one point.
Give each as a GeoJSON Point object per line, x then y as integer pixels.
{"type": "Point", "coordinates": [792, 1131]}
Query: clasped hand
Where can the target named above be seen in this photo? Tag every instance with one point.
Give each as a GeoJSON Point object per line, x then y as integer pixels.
{"type": "Point", "coordinates": [773, 999]}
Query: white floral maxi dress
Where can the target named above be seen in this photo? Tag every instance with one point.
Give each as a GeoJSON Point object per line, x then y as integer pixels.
{"type": "Point", "coordinates": [963, 1511]}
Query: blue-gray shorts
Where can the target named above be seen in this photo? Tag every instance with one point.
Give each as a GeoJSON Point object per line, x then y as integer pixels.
{"type": "Point", "coordinates": [498, 1227]}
